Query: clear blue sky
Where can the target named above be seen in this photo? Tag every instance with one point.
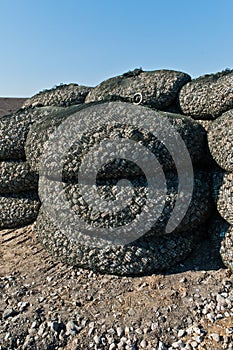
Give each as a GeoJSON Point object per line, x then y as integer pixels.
{"type": "Point", "coordinates": [48, 42]}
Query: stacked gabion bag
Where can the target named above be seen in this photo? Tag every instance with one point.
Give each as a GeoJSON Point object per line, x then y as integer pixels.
{"type": "Point", "coordinates": [64, 95]}
{"type": "Point", "coordinates": [208, 96]}
{"type": "Point", "coordinates": [209, 99]}
{"type": "Point", "coordinates": [57, 230]}
{"type": "Point", "coordinates": [220, 137]}
{"type": "Point", "coordinates": [18, 183]}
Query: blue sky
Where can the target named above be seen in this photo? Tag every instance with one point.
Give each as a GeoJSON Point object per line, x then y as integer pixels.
{"type": "Point", "coordinates": [48, 42]}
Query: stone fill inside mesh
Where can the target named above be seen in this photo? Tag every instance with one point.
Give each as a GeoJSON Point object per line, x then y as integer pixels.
{"type": "Point", "coordinates": [193, 135]}
{"type": "Point", "coordinates": [16, 176]}
{"type": "Point", "coordinates": [220, 140]}
{"type": "Point", "coordinates": [223, 194]}
{"type": "Point", "coordinates": [68, 201]}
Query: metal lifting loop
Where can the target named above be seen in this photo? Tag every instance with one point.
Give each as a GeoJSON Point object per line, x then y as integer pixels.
{"type": "Point", "coordinates": [137, 99]}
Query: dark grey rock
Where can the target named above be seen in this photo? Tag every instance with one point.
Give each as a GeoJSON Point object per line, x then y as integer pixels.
{"type": "Point", "coordinates": [220, 140]}
{"type": "Point", "coordinates": [208, 96]}
{"type": "Point", "coordinates": [9, 312]}
{"type": "Point", "coordinates": [157, 88]}
{"type": "Point", "coordinates": [61, 96]}
{"type": "Point", "coordinates": [18, 209]}
{"type": "Point", "coordinates": [16, 176]}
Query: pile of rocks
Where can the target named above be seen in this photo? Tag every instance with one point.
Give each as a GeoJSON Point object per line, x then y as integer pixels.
{"type": "Point", "coordinates": [155, 249]}
{"type": "Point", "coordinates": [38, 132]}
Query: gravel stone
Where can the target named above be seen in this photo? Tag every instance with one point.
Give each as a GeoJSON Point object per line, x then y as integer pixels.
{"type": "Point", "coordinates": [181, 333]}
{"type": "Point", "coordinates": [143, 344]}
{"type": "Point", "coordinates": [229, 330]}
{"type": "Point", "coordinates": [61, 96]}
{"type": "Point", "coordinates": [112, 346]}
{"type": "Point", "coordinates": [96, 339]}
{"type": "Point", "coordinates": [22, 305]}
{"type": "Point", "coordinates": [210, 317]}
{"type": "Point", "coordinates": [119, 331]}
{"type": "Point", "coordinates": [220, 140]}
{"type": "Point", "coordinates": [71, 328]}
{"type": "Point", "coordinates": [162, 346]}
{"type": "Point", "coordinates": [194, 344]}
{"type": "Point", "coordinates": [208, 96]}
{"type": "Point", "coordinates": [9, 312]}
{"type": "Point", "coordinates": [215, 337]}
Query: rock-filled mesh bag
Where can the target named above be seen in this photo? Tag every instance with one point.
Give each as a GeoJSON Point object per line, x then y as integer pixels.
{"type": "Point", "coordinates": [157, 89]}
{"type": "Point", "coordinates": [208, 96]}
{"type": "Point", "coordinates": [68, 199]}
{"type": "Point", "coordinates": [220, 140]}
{"type": "Point", "coordinates": [18, 209]}
{"type": "Point", "coordinates": [145, 255]}
{"type": "Point", "coordinates": [14, 129]}
{"type": "Point", "coordinates": [192, 134]}
{"type": "Point", "coordinates": [223, 194]}
{"type": "Point", "coordinates": [61, 96]}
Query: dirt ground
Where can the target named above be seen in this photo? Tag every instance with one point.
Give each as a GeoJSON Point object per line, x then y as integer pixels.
{"type": "Point", "coordinates": [9, 105]}
{"type": "Point", "coordinates": [39, 289]}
